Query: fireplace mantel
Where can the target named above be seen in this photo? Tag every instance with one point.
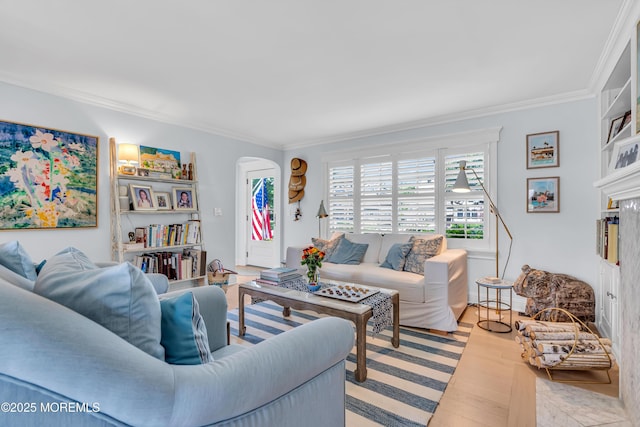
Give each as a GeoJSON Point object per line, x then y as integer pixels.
{"type": "Point", "coordinates": [622, 184]}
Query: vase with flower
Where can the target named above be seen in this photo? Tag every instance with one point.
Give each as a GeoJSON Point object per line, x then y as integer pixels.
{"type": "Point", "coordinates": [312, 257]}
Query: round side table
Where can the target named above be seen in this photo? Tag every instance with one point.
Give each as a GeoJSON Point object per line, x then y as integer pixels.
{"type": "Point", "coordinates": [497, 304]}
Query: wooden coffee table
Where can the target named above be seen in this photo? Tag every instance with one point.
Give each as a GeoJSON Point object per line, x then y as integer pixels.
{"type": "Point", "coordinates": [358, 313]}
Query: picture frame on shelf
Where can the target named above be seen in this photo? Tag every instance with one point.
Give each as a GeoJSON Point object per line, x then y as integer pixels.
{"type": "Point", "coordinates": [625, 153]}
{"type": "Point", "coordinates": [184, 199]}
{"type": "Point", "coordinates": [142, 197]}
{"type": "Point", "coordinates": [160, 162]}
{"type": "Point", "coordinates": [625, 121]}
{"type": "Point", "coordinates": [543, 150]}
{"type": "Point", "coordinates": [543, 195]}
{"type": "Point", "coordinates": [142, 172]}
{"type": "Point", "coordinates": [50, 178]}
{"type": "Point", "coordinates": [615, 127]}
{"type": "Point", "coordinates": [163, 200]}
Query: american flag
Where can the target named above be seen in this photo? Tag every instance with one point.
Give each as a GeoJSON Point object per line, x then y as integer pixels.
{"type": "Point", "coordinates": [260, 220]}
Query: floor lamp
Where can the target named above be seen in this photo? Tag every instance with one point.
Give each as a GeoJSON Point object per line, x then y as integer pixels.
{"type": "Point", "coordinates": [322, 213]}
{"type": "Point", "coordinates": [462, 186]}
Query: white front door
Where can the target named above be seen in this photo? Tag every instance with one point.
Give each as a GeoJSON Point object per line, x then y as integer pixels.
{"type": "Point", "coordinates": [262, 236]}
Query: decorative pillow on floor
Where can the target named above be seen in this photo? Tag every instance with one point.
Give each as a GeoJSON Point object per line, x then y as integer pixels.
{"type": "Point", "coordinates": [328, 246]}
{"type": "Point", "coordinates": [348, 252]}
{"type": "Point", "coordinates": [15, 258]}
{"type": "Point", "coordinates": [421, 250]}
{"type": "Point", "coordinates": [120, 297]}
{"type": "Point", "coordinates": [396, 257]}
{"type": "Point", "coordinates": [184, 334]}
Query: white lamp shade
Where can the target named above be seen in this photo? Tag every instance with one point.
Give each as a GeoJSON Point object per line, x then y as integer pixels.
{"type": "Point", "coordinates": [128, 153]}
{"type": "Point", "coordinates": [462, 184]}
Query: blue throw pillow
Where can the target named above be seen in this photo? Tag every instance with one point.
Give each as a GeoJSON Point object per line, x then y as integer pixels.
{"type": "Point", "coordinates": [184, 334]}
{"type": "Point", "coordinates": [120, 298]}
{"type": "Point", "coordinates": [15, 258]}
{"type": "Point", "coordinates": [396, 256]}
{"type": "Point", "coordinates": [348, 252]}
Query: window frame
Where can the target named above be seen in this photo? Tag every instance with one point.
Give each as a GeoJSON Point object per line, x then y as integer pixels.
{"type": "Point", "coordinates": [484, 140]}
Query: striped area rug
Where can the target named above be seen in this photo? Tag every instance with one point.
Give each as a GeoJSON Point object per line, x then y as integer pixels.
{"type": "Point", "coordinates": [403, 386]}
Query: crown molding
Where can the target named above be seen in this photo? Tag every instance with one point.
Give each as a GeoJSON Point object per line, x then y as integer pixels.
{"type": "Point", "coordinates": [133, 110]}
{"type": "Point", "coordinates": [448, 118]}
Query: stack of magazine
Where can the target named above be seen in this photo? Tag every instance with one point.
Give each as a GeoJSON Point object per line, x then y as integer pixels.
{"type": "Point", "coordinates": [275, 276]}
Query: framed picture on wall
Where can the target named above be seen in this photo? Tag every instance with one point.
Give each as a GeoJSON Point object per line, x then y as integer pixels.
{"type": "Point", "coordinates": [543, 195]}
{"type": "Point", "coordinates": [49, 178]}
{"type": "Point", "coordinates": [543, 150]}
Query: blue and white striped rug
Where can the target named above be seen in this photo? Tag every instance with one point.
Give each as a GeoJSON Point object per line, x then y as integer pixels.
{"type": "Point", "coordinates": [403, 386]}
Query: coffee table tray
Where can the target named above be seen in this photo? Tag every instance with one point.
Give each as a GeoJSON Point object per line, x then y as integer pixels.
{"type": "Point", "coordinates": [348, 292]}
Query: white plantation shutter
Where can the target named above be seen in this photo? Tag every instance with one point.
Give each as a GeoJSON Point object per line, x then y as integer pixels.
{"type": "Point", "coordinates": [376, 192]}
{"type": "Point", "coordinates": [341, 200]}
{"type": "Point", "coordinates": [416, 195]}
{"type": "Point", "coordinates": [409, 193]}
{"type": "Point", "coordinates": [464, 212]}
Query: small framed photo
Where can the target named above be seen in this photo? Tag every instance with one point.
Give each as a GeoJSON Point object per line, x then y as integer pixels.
{"type": "Point", "coordinates": [543, 150]}
{"type": "Point", "coordinates": [184, 199]}
{"type": "Point", "coordinates": [143, 172]}
{"type": "Point", "coordinates": [142, 197]}
{"type": "Point", "coordinates": [616, 125]}
{"type": "Point", "coordinates": [625, 153]}
{"type": "Point", "coordinates": [543, 195]}
{"type": "Point", "coordinates": [163, 201]}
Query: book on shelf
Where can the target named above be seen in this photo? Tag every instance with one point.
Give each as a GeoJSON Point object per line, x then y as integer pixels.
{"type": "Point", "coordinates": [184, 265]}
{"type": "Point", "coordinates": [162, 235]}
{"type": "Point", "coordinates": [607, 241]}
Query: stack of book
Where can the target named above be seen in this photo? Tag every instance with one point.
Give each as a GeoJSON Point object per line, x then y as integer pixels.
{"type": "Point", "coordinates": [278, 275]}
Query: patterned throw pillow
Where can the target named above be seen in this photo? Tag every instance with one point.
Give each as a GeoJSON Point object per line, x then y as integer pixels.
{"type": "Point", "coordinates": [327, 246]}
{"type": "Point", "coordinates": [421, 250]}
{"type": "Point", "coordinates": [184, 334]}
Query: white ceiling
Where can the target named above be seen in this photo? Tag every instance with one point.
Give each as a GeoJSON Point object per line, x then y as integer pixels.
{"type": "Point", "coordinates": [286, 73]}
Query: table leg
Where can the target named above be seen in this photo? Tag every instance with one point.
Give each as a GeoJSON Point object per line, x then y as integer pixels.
{"type": "Point", "coordinates": [361, 349]}
{"type": "Point", "coordinates": [286, 311]}
{"type": "Point", "coordinates": [241, 328]}
{"type": "Point", "coordinates": [395, 301]}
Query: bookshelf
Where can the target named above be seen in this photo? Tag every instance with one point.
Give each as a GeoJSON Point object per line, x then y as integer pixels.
{"type": "Point", "coordinates": [159, 235]}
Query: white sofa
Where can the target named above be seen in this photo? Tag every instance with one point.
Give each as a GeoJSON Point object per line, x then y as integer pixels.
{"type": "Point", "coordinates": [434, 300]}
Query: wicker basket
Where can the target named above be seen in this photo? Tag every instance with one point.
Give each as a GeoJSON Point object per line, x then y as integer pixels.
{"type": "Point", "coordinates": [217, 274]}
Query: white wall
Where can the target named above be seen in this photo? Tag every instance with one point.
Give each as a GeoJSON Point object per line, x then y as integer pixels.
{"type": "Point", "coordinates": [559, 242]}
{"type": "Point", "coordinates": [216, 161]}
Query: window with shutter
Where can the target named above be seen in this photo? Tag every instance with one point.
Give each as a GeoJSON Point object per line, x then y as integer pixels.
{"type": "Point", "coordinates": [341, 198]}
{"type": "Point", "coordinates": [409, 191]}
{"type": "Point", "coordinates": [464, 212]}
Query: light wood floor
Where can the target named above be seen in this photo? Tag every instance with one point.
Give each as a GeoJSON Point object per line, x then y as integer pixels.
{"type": "Point", "coordinates": [491, 386]}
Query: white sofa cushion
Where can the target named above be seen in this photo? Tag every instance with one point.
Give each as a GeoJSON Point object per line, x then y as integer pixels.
{"type": "Point", "coordinates": [373, 240]}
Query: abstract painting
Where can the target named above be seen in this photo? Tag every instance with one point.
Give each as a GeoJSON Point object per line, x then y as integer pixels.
{"type": "Point", "coordinates": [48, 178]}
